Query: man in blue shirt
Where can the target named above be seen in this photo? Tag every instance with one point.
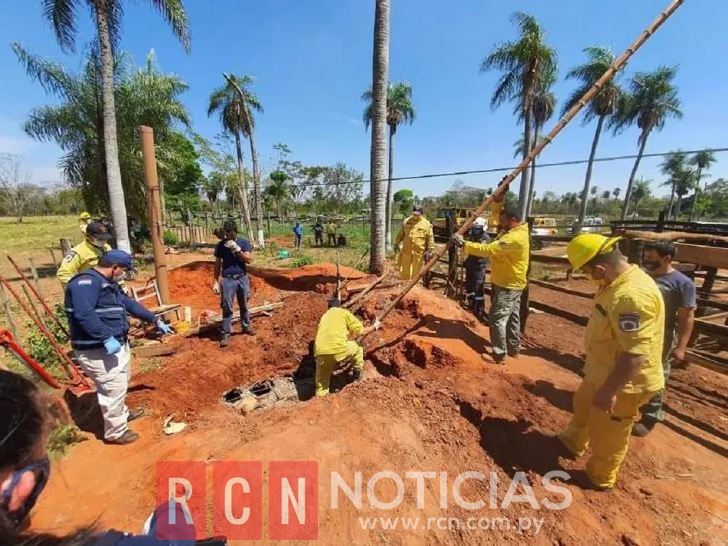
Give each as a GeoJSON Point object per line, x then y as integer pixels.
{"type": "Point", "coordinates": [97, 309]}
{"type": "Point", "coordinates": [298, 233]}
{"type": "Point", "coordinates": [231, 279]}
{"type": "Point", "coordinates": [678, 292]}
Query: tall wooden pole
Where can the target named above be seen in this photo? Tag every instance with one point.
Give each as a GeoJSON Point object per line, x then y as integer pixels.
{"type": "Point", "coordinates": [156, 224]}
{"type": "Point", "coordinates": [563, 122]}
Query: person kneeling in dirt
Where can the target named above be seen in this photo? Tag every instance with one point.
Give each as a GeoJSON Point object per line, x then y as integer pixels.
{"type": "Point", "coordinates": [231, 279]}
{"type": "Point", "coordinates": [25, 420]}
{"type": "Point", "coordinates": [475, 268]}
{"type": "Point", "coordinates": [333, 347]}
{"type": "Point", "coordinates": [623, 347]}
{"type": "Point", "coordinates": [96, 308]}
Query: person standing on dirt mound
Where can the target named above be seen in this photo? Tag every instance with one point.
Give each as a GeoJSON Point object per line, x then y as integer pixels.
{"type": "Point", "coordinates": [333, 348]}
{"type": "Point", "coordinates": [508, 275]}
{"type": "Point", "coordinates": [417, 243]}
{"type": "Point", "coordinates": [623, 346]}
{"type": "Point", "coordinates": [678, 292]}
{"type": "Point", "coordinates": [475, 268]}
{"type": "Point", "coordinates": [96, 308]}
{"type": "Point", "coordinates": [231, 279]}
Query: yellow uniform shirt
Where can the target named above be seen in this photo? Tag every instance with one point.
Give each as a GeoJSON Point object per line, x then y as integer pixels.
{"type": "Point", "coordinates": [416, 234]}
{"type": "Point", "coordinates": [81, 257]}
{"type": "Point", "coordinates": [493, 220]}
{"type": "Point", "coordinates": [509, 257]}
{"type": "Point", "coordinates": [628, 317]}
{"type": "Point", "coordinates": [331, 229]}
{"type": "Point", "coordinates": [333, 332]}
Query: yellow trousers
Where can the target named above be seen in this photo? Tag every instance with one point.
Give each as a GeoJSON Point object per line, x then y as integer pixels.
{"type": "Point", "coordinates": [410, 263]}
{"type": "Point", "coordinates": [325, 365]}
{"type": "Point", "coordinates": [607, 434]}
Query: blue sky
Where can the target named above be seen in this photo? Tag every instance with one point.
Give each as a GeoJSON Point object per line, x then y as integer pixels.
{"type": "Point", "coordinates": [311, 60]}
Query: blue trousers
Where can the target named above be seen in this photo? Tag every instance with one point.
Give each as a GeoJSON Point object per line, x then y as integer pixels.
{"type": "Point", "coordinates": [298, 240]}
{"type": "Point", "coordinates": [229, 289]}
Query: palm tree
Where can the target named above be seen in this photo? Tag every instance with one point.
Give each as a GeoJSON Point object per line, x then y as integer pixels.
{"type": "Point", "coordinates": [616, 192]}
{"type": "Point", "coordinates": [640, 191]}
{"type": "Point", "coordinates": [544, 106]}
{"type": "Point", "coordinates": [703, 160]}
{"type": "Point", "coordinates": [526, 64]}
{"type": "Point", "coordinates": [593, 191]}
{"type": "Point", "coordinates": [601, 107]}
{"type": "Point", "coordinates": [233, 113]}
{"type": "Point", "coordinates": [248, 99]}
{"type": "Point", "coordinates": [651, 101]}
{"type": "Point", "coordinates": [399, 110]}
{"type": "Point", "coordinates": [673, 166]}
{"type": "Point", "coordinates": [61, 14]}
{"type": "Point", "coordinates": [378, 168]}
{"type": "Point", "coordinates": [279, 190]}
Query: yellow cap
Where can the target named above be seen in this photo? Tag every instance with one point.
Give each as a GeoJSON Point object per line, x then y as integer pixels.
{"type": "Point", "coordinates": [84, 216]}
{"type": "Point", "coordinates": [586, 246]}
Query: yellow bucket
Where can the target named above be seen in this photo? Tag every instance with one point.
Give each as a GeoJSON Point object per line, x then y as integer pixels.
{"type": "Point", "coordinates": [181, 327]}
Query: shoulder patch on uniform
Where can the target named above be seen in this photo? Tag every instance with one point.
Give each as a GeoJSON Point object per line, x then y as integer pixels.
{"type": "Point", "coordinates": [84, 282]}
{"type": "Point", "coordinates": [70, 256]}
{"type": "Point", "coordinates": [629, 322]}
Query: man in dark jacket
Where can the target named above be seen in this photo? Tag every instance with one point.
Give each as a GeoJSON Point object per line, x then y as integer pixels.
{"type": "Point", "coordinates": [475, 268]}
{"type": "Point", "coordinates": [97, 316]}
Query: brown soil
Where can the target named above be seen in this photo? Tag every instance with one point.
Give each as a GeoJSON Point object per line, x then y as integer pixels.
{"type": "Point", "coordinates": [428, 402]}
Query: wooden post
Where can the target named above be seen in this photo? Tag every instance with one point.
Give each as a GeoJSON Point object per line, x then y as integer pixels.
{"type": "Point", "coordinates": [452, 258]}
{"type": "Point", "coordinates": [34, 272]}
{"type": "Point", "coordinates": [53, 257]}
{"type": "Point", "coordinates": [156, 225]}
{"type": "Point", "coordinates": [710, 274]}
{"type": "Point", "coordinates": [65, 247]}
{"type": "Point", "coordinates": [269, 232]}
{"type": "Point", "coordinates": [8, 312]}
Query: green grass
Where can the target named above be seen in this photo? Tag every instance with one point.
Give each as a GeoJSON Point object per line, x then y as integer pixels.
{"type": "Point", "coordinates": [62, 438]}
{"type": "Point", "coordinates": [37, 233]}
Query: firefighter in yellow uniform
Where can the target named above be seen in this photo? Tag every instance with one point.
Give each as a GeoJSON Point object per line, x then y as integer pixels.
{"type": "Point", "coordinates": [84, 219]}
{"type": "Point", "coordinates": [417, 242]}
{"type": "Point", "coordinates": [508, 275]}
{"type": "Point", "coordinates": [623, 369]}
{"type": "Point", "coordinates": [86, 254]}
{"type": "Point", "coordinates": [332, 346]}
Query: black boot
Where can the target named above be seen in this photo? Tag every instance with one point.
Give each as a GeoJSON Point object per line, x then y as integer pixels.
{"type": "Point", "coordinates": [358, 374]}
{"type": "Point", "coordinates": [225, 340]}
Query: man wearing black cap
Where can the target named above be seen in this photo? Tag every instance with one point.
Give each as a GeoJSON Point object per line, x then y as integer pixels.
{"type": "Point", "coordinates": [97, 316]}
{"type": "Point", "coordinates": [85, 255]}
{"type": "Point", "coordinates": [232, 255]}
{"type": "Point", "coordinates": [417, 242]}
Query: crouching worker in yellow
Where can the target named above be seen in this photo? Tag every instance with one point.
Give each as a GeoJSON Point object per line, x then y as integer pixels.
{"type": "Point", "coordinates": [333, 346]}
{"type": "Point", "coordinates": [623, 369]}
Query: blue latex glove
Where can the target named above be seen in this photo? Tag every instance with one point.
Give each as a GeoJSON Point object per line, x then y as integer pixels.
{"type": "Point", "coordinates": [164, 327]}
{"type": "Point", "coordinates": [112, 346]}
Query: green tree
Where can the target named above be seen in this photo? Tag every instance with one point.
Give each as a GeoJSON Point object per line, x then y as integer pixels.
{"type": "Point", "coordinates": [641, 191]}
{"type": "Point", "coordinates": [544, 106]}
{"type": "Point", "coordinates": [652, 100]}
{"type": "Point", "coordinates": [526, 64]}
{"type": "Point", "coordinates": [62, 15]}
{"type": "Point", "coordinates": [278, 190]}
{"type": "Point", "coordinates": [702, 160]}
{"type": "Point", "coordinates": [144, 96]}
{"type": "Point", "coordinates": [602, 106]}
{"type": "Point", "coordinates": [399, 110]}
{"type": "Point", "coordinates": [404, 200]}
{"type": "Point", "coordinates": [673, 166]}
{"type": "Point", "coordinates": [225, 102]}
{"type": "Point", "coordinates": [378, 151]}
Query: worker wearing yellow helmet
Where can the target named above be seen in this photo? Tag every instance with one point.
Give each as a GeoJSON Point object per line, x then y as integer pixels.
{"type": "Point", "coordinates": [84, 219]}
{"type": "Point", "coordinates": [623, 346]}
{"type": "Point", "coordinates": [86, 254]}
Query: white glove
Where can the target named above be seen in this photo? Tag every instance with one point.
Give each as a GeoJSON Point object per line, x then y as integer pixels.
{"type": "Point", "coordinates": [377, 324]}
{"type": "Point", "coordinates": [458, 239]}
{"type": "Point", "coordinates": [216, 287]}
{"type": "Point", "coordinates": [233, 246]}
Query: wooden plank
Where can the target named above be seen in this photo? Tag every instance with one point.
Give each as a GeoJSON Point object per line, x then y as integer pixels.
{"type": "Point", "coordinates": [152, 350]}
{"type": "Point", "coordinates": [708, 256]}
{"type": "Point", "coordinates": [673, 236]}
{"type": "Point", "coordinates": [253, 311]}
{"type": "Point", "coordinates": [564, 289]}
{"type": "Point", "coordinates": [707, 360]}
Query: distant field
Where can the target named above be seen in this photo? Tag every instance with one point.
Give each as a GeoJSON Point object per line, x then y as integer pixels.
{"type": "Point", "coordinates": [37, 233]}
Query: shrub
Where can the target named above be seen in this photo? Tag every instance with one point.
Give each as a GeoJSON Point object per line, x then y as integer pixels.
{"type": "Point", "coordinates": [170, 239]}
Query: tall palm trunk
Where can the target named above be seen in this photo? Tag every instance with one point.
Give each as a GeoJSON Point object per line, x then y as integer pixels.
{"type": "Point", "coordinates": [111, 146]}
{"type": "Point", "coordinates": [257, 197]}
{"type": "Point", "coordinates": [243, 187]}
{"type": "Point", "coordinates": [525, 188]}
{"type": "Point", "coordinates": [696, 194]}
{"type": "Point", "coordinates": [378, 169]}
{"type": "Point", "coordinates": [588, 177]}
{"type": "Point", "coordinates": [671, 209]}
{"type": "Point", "coordinates": [678, 206]}
{"type": "Point", "coordinates": [389, 206]}
{"type": "Point", "coordinates": [532, 191]}
{"type": "Point", "coordinates": [633, 174]}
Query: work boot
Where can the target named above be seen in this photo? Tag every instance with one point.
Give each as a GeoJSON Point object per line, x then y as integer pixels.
{"type": "Point", "coordinates": [513, 353]}
{"type": "Point", "coordinates": [248, 330]}
{"type": "Point", "coordinates": [225, 340]}
{"type": "Point", "coordinates": [135, 414]}
{"type": "Point", "coordinates": [127, 438]}
{"type": "Point", "coordinates": [358, 375]}
{"type": "Point", "coordinates": [641, 430]}
{"type": "Point", "coordinates": [496, 359]}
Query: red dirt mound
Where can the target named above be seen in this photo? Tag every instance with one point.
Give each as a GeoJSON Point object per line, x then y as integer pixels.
{"type": "Point", "coordinates": [308, 278]}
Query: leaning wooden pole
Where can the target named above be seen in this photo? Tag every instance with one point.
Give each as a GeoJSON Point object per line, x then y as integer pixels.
{"type": "Point", "coordinates": [563, 122]}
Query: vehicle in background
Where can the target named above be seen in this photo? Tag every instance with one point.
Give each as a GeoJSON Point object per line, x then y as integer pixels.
{"type": "Point", "coordinates": [592, 224]}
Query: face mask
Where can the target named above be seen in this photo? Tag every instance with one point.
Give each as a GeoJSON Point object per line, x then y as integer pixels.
{"type": "Point", "coordinates": [98, 243]}
{"type": "Point", "coordinates": [119, 277]}
{"type": "Point", "coordinates": [42, 470]}
{"type": "Point", "coordinates": [651, 266]}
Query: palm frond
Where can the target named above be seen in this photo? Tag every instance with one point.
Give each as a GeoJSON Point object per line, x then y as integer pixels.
{"type": "Point", "coordinates": [173, 11]}
{"type": "Point", "coordinates": [61, 14]}
{"type": "Point", "coordinates": [50, 75]}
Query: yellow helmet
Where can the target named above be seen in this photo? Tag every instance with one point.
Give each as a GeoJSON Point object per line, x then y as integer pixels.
{"type": "Point", "coordinates": [586, 246]}
{"type": "Point", "coordinates": [84, 216]}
